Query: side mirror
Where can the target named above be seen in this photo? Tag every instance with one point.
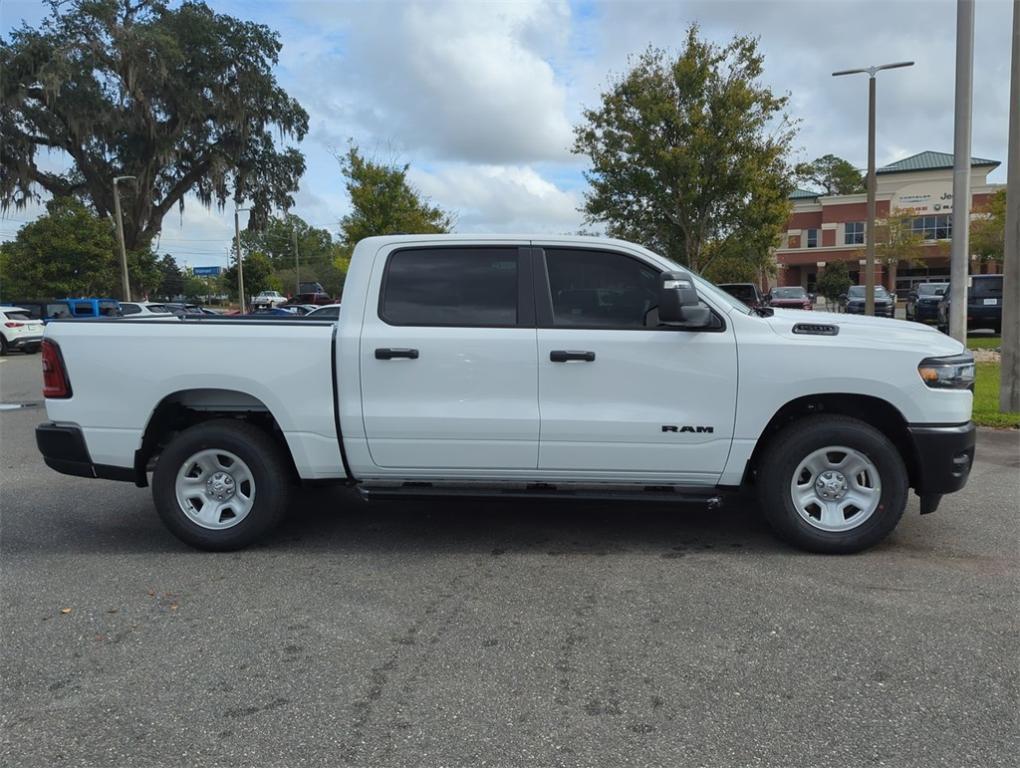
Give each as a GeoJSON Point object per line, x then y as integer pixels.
{"type": "Point", "coordinates": [678, 302]}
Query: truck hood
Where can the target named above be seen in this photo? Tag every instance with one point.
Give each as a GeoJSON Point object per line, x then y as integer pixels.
{"type": "Point", "coordinates": [873, 332]}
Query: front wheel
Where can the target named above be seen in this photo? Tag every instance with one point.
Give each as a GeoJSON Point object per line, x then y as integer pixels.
{"type": "Point", "coordinates": [221, 485]}
{"type": "Point", "coordinates": [832, 484]}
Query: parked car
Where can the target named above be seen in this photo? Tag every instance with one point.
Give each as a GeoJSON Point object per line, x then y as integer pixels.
{"type": "Point", "coordinates": [790, 297]}
{"type": "Point", "coordinates": [746, 292]}
{"type": "Point", "coordinates": [19, 331]}
{"type": "Point", "coordinates": [146, 310]}
{"type": "Point", "coordinates": [984, 304]}
{"type": "Point", "coordinates": [284, 312]}
{"type": "Point", "coordinates": [189, 310]}
{"type": "Point", "coordinates": [923, 302]}
{"type": "Point", "coordinates": [611, 373]}
{"type": "Point", "coordinates": [885, 302]}
{"type": "Point", "coordinates": [268, 300]}
{"type": "Point", "coordinates": [328, 312]}
{"type": "Point", "coordinates": [312, 293]}
{"type": "Point", "coordinates": [57, 309]}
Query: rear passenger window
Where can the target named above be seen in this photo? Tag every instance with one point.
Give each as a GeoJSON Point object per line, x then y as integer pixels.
{"type": "Point", "coordinates": [451, 286]}
{"type": "Point", "coordinates": [600, 289]}
{"type": "Point", "coordinates": [130, 309]}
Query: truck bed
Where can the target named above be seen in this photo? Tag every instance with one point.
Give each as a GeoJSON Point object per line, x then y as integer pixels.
{"type": "Point", "coordinates": [120, 370]}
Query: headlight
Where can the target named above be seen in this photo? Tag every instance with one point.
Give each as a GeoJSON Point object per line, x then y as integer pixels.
{"type": "Point", "coordinates": [953, 372]}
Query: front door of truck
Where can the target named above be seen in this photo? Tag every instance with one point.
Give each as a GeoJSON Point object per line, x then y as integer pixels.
{"type": "Point", "coordinates": [620, 398]}
{"type": "Point", "coordinates": [449, 375]}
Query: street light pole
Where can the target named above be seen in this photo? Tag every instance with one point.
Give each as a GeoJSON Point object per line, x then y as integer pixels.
{"type": "Point", "coordinates": [125, 283]}
{"type": "Point", "coordinates": [1009, 386]}
{"type": "Point", "coordinates": [297, 264]}
{"type": "Point", "coordinates": [869, 226]}
{"type": "Point", "coordinates": [240, 261]}
{"type": "Point", "coordinates": [959, 254]}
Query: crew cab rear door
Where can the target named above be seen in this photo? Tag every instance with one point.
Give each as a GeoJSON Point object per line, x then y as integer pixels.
{"type": "Point", "coordinates": [622, 399]}
{"type": "Point", "coordinates": [449, 375]}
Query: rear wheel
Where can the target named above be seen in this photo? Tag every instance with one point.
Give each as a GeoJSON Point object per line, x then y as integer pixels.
{"type": "Point", "coordinates": [3, 345]}
{"type": "Point", "coordinates": [221, 485]}
{"type": "Point", "coordinates": [832, 484]}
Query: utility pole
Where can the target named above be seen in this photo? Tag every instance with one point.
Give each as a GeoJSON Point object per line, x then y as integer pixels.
{"type": "Point", "coordinates": [1009, 384]}
{"type": "Point", "coordinates": [125, 283]}
{"type": "Point", "coordinates": [959, 255]}
{"type": "Point", "coordinates": [297, 264]}
{"type": "Point", "coordinates": [869, 227]}
{"type": "Point", "coordinates": [240, 261]}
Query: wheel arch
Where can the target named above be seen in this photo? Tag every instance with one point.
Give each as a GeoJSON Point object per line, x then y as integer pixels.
{"type": "Point", "coordinates": [878, 413]}
{"type": "Point", "coordinates": [184, 408]}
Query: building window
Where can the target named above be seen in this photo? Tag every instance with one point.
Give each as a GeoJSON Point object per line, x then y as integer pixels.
{"type": "Point", "coordinates": [854, 234]}
{"type": "Point", "coordinates": [812, 238]}
{"type": "Point", "coordinates": [938, 227]}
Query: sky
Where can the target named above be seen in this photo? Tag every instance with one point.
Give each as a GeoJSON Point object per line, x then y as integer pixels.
{"type": "Point", "coordinates": [480, 98]}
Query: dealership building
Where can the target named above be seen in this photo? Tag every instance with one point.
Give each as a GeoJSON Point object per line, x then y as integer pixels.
{"type": "Point", "coordinates": [826, 228]}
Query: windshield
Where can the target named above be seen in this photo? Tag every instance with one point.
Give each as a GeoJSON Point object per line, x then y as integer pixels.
{"type": "Point", "coordinates": [794, 292]}
{"type": "Point", "coordinates": [931, 289]}
{"type": "Point", "coordinates": [857, 292]}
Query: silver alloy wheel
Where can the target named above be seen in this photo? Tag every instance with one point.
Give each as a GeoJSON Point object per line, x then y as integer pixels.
{"type": "Point", "coordinates": [215, 489]}
{"type": "Point", "coordinates": [836, 488]}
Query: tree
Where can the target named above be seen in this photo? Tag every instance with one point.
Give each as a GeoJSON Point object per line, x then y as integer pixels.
{"type": "Point", "coordinates": [68, 251]}
{"type": "Point", "coordinates": [834, 282]}
{"type": "Point", "coordinates": [276, 239]}
{"type": "Point", "coordinates": [690, 152]}
{"type": "Point", "coordinates": [171, 279]}
{"type": "Point", "coordinates": [896, 240]}
{"type": "Point", "coordinates": [182, 98]}
{"type": "Point", "coordinates": [258, 276]}
{"type": "Point", "coordinates": [833, 174]}
{"type": "Point", "coordinates": [988, 229]}
{"type": "Point", "coordinates": [384, 203]}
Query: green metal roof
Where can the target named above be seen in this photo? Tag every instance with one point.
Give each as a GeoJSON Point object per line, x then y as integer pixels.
{"type": "Point", "coordinates": [930, 161]}
{"type": "Point", "coordinates": [804, 194]}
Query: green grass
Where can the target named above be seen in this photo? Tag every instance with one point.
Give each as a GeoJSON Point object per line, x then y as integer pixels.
{"type": "Point", "coordinates": [984, 342]}
{"type": "Point", "coordinates": [986, 399]}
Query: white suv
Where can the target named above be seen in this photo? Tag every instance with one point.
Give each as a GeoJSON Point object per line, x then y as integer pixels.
{"type": "Point", "coordinates": [18, 330]}
{"type": "Point", "coordinates": [146, 310]}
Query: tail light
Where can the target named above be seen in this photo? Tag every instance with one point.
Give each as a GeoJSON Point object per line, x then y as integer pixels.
{"type": "Point", "coordinates": [56, 384]}
{"type": "Point", "coordinates": [11, 324]}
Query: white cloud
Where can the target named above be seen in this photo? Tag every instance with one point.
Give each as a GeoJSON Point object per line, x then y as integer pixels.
{"type": "Point", "coordinates": [452, 80]}
{"type": "Point", "coordinates": [500, 198]}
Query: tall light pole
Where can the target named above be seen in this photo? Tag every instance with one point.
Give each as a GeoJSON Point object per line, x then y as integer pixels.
{"type": "Point", "coordinates": [1009, 386]}
{"type": "Point", "coordinates": [240, 261]}
{"type": "Point", "coordinates": [126, 284]}
{"type": "Point", "coordinates": [959, 254]}
{"type": "Point", "coordinates": [297, 264]}
{"type": "Point", "coordinates": [869, 227]}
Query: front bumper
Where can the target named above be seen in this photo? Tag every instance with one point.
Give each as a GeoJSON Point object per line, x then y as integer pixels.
{"type": "Point", "coordinates": [63, 449]}
{"type": "Point", "coordinates": [926, 313]}
{"type": "Point", "coordinates": [944, 455]}
{"type": "Point", "coordinates": [880, 310]}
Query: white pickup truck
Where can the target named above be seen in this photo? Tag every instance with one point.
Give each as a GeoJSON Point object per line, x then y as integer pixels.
{"type": "Point", "coordinates": [517, 366]}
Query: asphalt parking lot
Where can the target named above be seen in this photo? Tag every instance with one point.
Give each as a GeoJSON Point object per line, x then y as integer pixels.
{"type": "Point", "coordinates": [500, 634]}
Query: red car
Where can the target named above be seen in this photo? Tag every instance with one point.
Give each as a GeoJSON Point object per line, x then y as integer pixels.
{"type": "Point", "coordinates": [792, 297]}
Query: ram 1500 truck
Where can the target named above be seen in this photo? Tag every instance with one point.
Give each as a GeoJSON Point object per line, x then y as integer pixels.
{"type": "Point", "coordinates": [517, 366]}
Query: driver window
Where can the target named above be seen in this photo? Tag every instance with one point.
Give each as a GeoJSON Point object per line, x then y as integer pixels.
{"type": "Point", "coordinates": [600, 288]}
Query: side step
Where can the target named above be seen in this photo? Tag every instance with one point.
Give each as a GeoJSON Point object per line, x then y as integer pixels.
{"type": "Point", "coordinates": [649, 493]}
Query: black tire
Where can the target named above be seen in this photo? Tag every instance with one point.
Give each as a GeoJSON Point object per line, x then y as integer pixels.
{"type": "Point", "coordinates": [270, 475]}
{"type": "Point", "coordinates": [3, 346]}
{"type": "Point", "coordinates": [31, 350]}
{"type": "Point", "coordinates": [792, 445]}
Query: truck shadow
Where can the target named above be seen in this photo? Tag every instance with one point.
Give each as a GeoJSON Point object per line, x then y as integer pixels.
{"type": "Point", "coordinates": [338, 520]}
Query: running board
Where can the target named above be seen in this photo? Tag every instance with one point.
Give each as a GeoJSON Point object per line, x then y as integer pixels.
{"type": "Point", "coordinates": [651, 493]}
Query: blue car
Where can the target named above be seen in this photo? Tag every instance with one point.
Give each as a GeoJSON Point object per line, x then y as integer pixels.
{"type": "Point", "coordinates": [57, 309]}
